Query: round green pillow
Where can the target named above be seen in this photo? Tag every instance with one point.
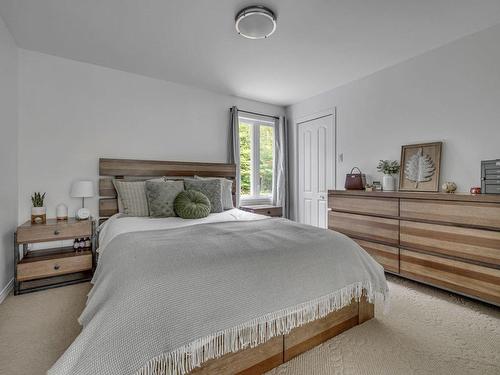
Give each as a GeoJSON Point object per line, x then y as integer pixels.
{"type": "Point", "coordinates": [191, 204]}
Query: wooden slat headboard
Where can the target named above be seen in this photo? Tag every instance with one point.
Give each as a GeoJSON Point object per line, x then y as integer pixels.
{"type": "Point", "coordinates": [143, 169]}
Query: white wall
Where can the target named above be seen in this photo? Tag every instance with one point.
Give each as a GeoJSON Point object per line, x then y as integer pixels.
{"type": "Point", "coordinates": [451, 94]}
{"type": "Point", "coordinates": [72, 113]}
{"type": "Point", "coordinates": [8, 155]}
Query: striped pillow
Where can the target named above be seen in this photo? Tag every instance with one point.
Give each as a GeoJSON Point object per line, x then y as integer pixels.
{"type": "Point", "coordinates": [132, 195]}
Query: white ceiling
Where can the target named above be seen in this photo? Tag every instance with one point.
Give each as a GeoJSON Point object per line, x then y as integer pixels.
{"type": "Point", "coordinates": [318, 45]}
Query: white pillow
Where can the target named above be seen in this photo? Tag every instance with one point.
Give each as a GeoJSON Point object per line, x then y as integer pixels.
{"type": "Point", "coordinates": [227, 190]}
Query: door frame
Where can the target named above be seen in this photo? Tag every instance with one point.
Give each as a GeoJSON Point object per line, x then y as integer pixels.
{"type": "Point", "coordinates": [306, 118]}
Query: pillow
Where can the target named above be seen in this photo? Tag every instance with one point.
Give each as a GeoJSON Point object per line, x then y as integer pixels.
{"type": "Point", "coordinates": [132, 195]}
{"type": "Point", "coordinates": [161, 196]}
{"type": "Point", "coordinates": [227, 190]}
{"type": "Point", "coordinates": [192, 204]}
{"type": "Point", "coordinates": [211, 188]}
{"type": "Point", "coordinates": [121, 208]}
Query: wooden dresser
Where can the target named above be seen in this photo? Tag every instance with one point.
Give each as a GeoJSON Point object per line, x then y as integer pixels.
{"type": "Point", "coordinates": [451, 241]}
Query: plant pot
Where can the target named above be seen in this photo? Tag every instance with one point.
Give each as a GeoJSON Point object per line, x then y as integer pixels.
{"type": "Point", "coordinates": [38, 215]}
{"type": "Point", "coordinates": [388, 183]}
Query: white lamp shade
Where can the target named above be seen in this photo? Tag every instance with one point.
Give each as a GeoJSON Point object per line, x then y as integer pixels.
{"type": "Point", "coordinates": [82, 189]}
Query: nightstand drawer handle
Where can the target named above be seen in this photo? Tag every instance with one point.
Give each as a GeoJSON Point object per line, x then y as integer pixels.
{"type": "Point", "coordinates": [56, 266]}
{"type": "Point", "coordinates": [56, 232]}
{"type": "Point", "coordinates": [269, 212]}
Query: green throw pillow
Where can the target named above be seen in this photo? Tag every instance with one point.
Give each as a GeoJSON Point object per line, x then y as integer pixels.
{"type": "Point", "coordinates": [212, 189]}
{"type": "Point", "coordinates": [161, 196]}
{"type": "Point", "coordinates": [191, 204]}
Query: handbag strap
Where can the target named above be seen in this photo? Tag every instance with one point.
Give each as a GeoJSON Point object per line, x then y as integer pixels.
{"type": "Point", "coordinates": [359, 170]}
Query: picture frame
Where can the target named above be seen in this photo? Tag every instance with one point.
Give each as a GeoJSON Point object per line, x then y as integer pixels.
{"type": "Point", "coordinates": [420, 167]}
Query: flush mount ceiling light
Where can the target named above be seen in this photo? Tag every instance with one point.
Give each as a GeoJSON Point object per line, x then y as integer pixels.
{"type": "Point", "coordinates": [255, 22]}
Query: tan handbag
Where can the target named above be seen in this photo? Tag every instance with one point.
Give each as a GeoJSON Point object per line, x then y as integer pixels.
{"type": "Point", "coordinates": [355, 181]}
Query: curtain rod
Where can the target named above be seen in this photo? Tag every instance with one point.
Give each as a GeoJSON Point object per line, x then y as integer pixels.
{"type": "Point", "coordinates": [258, 114]}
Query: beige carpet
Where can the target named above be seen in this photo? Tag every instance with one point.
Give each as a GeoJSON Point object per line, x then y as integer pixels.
{"type": "Point", "coordinates": [427, 331]}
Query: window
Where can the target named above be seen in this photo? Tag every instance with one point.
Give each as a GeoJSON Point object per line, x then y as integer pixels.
{"type": "Point", "coordinates": [256, 159]}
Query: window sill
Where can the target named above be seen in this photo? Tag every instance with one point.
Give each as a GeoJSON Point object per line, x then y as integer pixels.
{"type": "Point", "coordinates": [255, 200]}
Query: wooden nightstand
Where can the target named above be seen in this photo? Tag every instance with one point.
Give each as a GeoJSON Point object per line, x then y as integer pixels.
{"type": "Point", "coordinates": [264, 209]}
{"type": "Point", "coordinates": [42, 269]}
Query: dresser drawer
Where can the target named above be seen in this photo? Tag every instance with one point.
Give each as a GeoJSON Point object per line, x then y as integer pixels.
{"type": "Point", "coordinates": [465, 213]}
{"type": "Point", "coordinates": [54, 231]}
{"type": "Point", "coordinates": [492, 189]}
{"type": "Point", "coordinates": [365, 205]}
{"type": "Point", "coordinates": [365, 227]}
{"type": "Point", "coordinates": [470, 244]}
{"type": "Point", "coordinates": [36, 269]}
{"type": "Point", "coordinates": [387, 256]}
{"type": "Point", "coordinates": [473, 280]}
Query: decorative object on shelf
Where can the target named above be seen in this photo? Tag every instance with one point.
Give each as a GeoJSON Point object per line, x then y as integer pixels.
{"type": "Point", "coordinates": [369, 187]}
{"type": "Point", "coordinates": [355, 181]}
{"type": "Point", "coordinates": [475, 190]}
{"type": "Point", "coordinates": [388, 168]}
{"type": "Point", "coordinates": [377, 186]}
{"type": "Point", "coordinates": [62, 212]}
{"type": "Point", "coordinates": [449, 187]}
{"type": "Point", "coordinates": [82, 189]}
{"type": "Point", "coordinates": [38, 211]}
{"type": "Point", "coordinates": [420, 166]}
{"type": "Point", "coordinates": [490, 176]}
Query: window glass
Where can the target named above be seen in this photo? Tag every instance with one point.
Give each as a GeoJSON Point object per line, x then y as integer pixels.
{"type": "Point", "coordinates": [256, 159]}
{"type": "Point", "coordinates": [245, 158]}
{"type": "Point", "coordinates": [266, 165]}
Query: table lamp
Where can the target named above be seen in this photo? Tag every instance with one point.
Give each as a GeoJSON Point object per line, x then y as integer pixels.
{"type": "Point", "coordinates": [82, 189]}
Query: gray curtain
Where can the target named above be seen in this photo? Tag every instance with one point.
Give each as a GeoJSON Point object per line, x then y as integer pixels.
{"type": "Point", "coordinates": [281, 188]}
{"type": "Point", "coordinates": [234, 148]}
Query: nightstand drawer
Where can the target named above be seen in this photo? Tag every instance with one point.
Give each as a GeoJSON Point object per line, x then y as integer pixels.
{"type": "Point", "coordinates": [36, 269]}
{"type": "Point", "coordinates": [54, 231]}
{"type": "Point", "coordinates": [262, 209]}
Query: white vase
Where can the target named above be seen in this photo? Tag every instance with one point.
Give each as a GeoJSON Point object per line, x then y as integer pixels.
{"type": "Point", "coordinates": [388, 183]}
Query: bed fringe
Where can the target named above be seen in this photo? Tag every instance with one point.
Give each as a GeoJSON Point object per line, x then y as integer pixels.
{"type": "Point", "coordinates": [257, 331]}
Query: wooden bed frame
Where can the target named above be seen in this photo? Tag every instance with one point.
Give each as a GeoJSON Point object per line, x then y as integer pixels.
{"type": "Point", "coordinates": [144, 169]}
{"type": "Point", "coordinates": [247, 361]}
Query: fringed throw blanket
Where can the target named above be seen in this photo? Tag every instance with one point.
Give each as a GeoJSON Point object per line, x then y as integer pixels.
{"type": "Point", "coordinates": [166, 301]}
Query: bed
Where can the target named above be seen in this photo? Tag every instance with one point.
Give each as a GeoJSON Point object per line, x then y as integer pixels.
{"type": "Point", "coordinates": [234, 293]}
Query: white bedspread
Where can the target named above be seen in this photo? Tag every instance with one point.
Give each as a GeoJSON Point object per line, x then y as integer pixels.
{"type": "Point", "coordinates": [170, 294]}
{"type": "Point", "coordinates": [119, 224]}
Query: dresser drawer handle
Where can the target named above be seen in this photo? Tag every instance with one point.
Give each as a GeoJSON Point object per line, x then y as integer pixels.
{"type": "Point", "coordinates": [56, 232]}
{"type": "Point", "coordinates": [56, 266]}
{"type": "Point", "coordinates": [269, 212]}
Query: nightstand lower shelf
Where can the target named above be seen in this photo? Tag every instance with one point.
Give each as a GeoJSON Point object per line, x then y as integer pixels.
{"type": "Point", "coordinates": [53, 282]}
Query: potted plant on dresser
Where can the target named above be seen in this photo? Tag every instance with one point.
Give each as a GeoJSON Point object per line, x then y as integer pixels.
{"type": "Point", "coordinates": [389, 168]}
{"type": "Point", "coordinates": [38, 211]}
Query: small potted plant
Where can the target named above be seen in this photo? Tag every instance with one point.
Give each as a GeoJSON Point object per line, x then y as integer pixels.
{"type": "Point", "coordinates": [38, 211]}
{"type": "Point", "coordinates": [388, 168]}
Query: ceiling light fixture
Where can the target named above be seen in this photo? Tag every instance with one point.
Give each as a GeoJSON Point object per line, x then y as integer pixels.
{"type": "Point", "coordinates": [255, 22]}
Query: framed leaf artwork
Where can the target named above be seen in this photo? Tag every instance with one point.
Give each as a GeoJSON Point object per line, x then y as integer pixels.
{"type": "Point", "coordinates": [420, 166]}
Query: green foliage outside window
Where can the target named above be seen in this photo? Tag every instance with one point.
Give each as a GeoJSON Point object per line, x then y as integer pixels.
{"type": "Point", "coordinates": [266, 163]}
{"type": "Point", "coordinates": [245, 158]}
{"type": "Point", "coordinates": [266, 160]}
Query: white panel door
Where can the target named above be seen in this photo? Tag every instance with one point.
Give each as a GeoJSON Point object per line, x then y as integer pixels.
{"type": "Point", "coordinates": [316, 145]}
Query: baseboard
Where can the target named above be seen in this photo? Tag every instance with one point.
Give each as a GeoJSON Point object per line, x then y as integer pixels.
{"type": "Point", "coordinates": [5, 291]}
